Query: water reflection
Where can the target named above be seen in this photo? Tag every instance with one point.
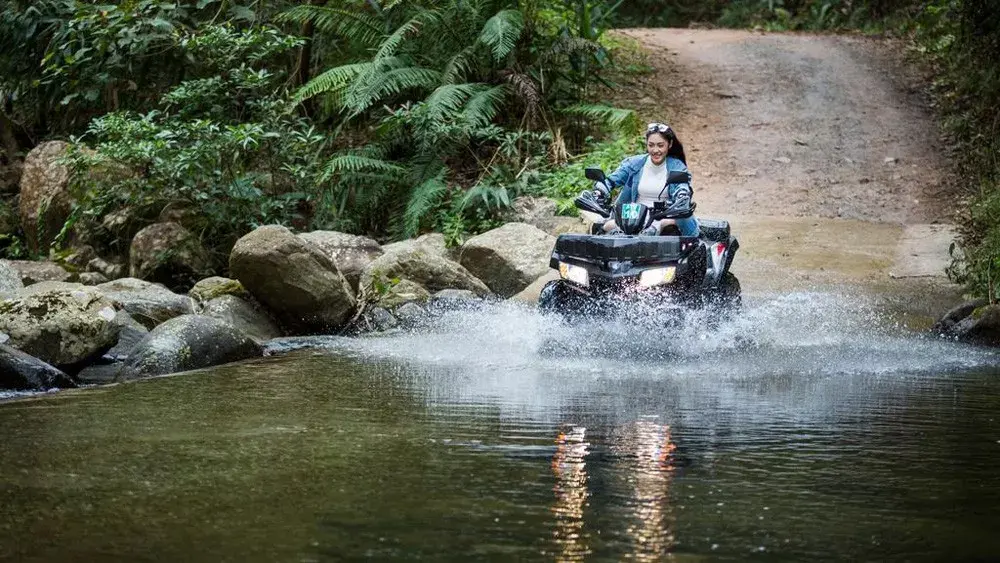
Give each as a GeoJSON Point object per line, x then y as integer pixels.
{"type": "Point", "coordinates": [645, 454]}
{"type": "Point", "coordinates": [569, 465]}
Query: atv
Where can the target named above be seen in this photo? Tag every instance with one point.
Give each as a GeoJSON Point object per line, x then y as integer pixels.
{"type": "Point", "coordinates": [664, 273]}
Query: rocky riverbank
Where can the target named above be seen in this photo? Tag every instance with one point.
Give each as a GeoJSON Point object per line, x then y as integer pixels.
{"type": "Point", "coordinates": [59, 332]}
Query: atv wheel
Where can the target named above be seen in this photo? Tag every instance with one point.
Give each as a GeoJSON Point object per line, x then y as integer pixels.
{"type": "Point", "coordinates": [557, 298]}
{"type": "Point", "coordinates": [729, 291]}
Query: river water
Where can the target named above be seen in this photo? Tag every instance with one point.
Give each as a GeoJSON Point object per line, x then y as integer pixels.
{"type": "Point", "coordinates": [808, 427]}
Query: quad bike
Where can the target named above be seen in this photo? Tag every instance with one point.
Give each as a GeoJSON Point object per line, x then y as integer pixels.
{"type": "Point", "coordinates": [601, 273]}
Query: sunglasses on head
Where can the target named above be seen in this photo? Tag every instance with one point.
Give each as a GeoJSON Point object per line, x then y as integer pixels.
{"type": "Point", "coordinates": [657, 128]}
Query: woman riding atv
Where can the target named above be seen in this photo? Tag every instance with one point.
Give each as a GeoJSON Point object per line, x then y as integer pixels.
{"type": "Point", "coordinates": [643, 179]}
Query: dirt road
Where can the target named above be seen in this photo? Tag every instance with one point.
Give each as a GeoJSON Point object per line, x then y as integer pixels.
{"type": "Point", "coordinates": [820, 149]}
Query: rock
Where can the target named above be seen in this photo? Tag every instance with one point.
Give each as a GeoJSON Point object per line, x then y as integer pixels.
{"type": "Point", "coordinates": [530, 294]}
{"type": "Point", "coordinates": [45, 199]}
{"type": "Point", "coordinates": [405, 291]}
{"type": "Point", "coordinates": [982, 326]}
{"type": "Point", "coordinates": [380, 319]}
{"type": "Point", "coordinates": [79, 256]}
{"type": "Point", "coordinates": [533, 210]}
{"type": "Point", "coordinates": [956, 315]}
{"type": "Point", "coordinates": [146, 302]}
{"type": "Point", "coordinates": [119, 221]}
{"type": "Point", "coordinates": [93, 278]}
{"type": "Point", "coordinates": [130, 333]}
{"type": "Point", "coordinates": [188, 342]}
{"type": "Point", "coordinates": [244, 316]}
{"type": "Point", "coordinates": [410, 313]}
{"type": "Point", "coordinates": [62, 326]}
{"type": "Point", "coordinates": [890, 160]}
{"type": "Point", "coordinates": [110, 270]}
{"type": "Point", "coordinates": [100, 374]}
{"type": "Point", "coordinates": [216, 286]}
{"type": "Point", "coordinates": [350, 253]}
{"type": "Point", "coordinates": [10, 280]}
{"type": "Point", "coordinates": [452, 295]}
{"type": "Point", "coordinates": [22, 372]}
{"type": "Point", "coordinates": [508, 258]}
{"type": "Point", "coordinates": [288, 344]}
{"type": "Point", "coordinates": [431, 243]}
{"type": "Point", "coordinates": [414, 263]}
{"type": "Point", "coordinates": [32, 271]}
{"type": "Point", "coordinates": [782, 160]}
{"type": "Point", "coordinates": [293, 278]}
{"type": "Point", "coordinates": [168, 253]}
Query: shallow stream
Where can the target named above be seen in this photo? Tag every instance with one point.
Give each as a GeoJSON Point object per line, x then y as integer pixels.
{"type": "Point", "coordinates": [808, 427]}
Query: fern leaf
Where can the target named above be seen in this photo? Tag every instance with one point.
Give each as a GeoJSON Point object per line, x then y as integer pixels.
{"type": "Point", "coordinates": [422, 200]}
{"type": "Point", "coordinates": [351, 24]}
{"type": "Point", "coordinates": [501, 32]}
{"type": "Point", "coordinates": [380, 85]}
{"type": "Point", "coordinates": [458, 66]}
{"type": "Point", "coordinates": [448, 98]}
{"type": "Point", "coordinates": [335, 80]}
{"type": "Point", "coordinates": [623, 120]}
{"type": "Point", "coordinates": [353, 164]}
{"type": "Point", "coordinates": [483, 106]}
{"type": "Point", "coordinates": [392, 43]}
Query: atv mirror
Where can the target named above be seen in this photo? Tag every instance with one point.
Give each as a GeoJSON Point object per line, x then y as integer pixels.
{"type": "Point", "coordinates": [677, 177]}
{"type": "Point", "coordinates": [594, 174]}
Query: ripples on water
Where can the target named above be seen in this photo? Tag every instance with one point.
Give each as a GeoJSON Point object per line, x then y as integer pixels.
{"type": "Point", "coordinates": [806, 427]}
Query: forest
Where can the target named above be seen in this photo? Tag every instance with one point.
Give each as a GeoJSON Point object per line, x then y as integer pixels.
{"type": "Point", "coordinates": [391, 118]}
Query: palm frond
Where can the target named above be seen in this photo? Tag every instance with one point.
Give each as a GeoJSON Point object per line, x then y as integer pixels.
{"type": "Point", "coordinates": [501, 32]}
{"type": "Point", "coordinates": [484, 105]}
{"type": "Point", "coordinates": [351, 24]}
{"type": "Point", "coordinates": [567, 45]}
{"type": "Point", "coordinates": [623, 120]}
{"type": "Point", "coordinates": [422, 200]}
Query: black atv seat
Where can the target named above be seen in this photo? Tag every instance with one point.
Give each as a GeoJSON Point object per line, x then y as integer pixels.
{"type": "Point", "coordinates": [714, 230]}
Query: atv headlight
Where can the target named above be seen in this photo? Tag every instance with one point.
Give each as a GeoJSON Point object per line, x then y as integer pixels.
{"type": "Point", "coordinates": [657, 276]}
{"type": "Point", "coordinates": [575, 274]}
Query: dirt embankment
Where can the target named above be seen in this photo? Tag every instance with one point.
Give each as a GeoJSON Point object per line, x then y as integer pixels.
{"type": "Point", "coordinates": [819, 148]}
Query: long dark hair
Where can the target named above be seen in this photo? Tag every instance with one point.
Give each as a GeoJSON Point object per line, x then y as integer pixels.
{"type": "Point", "coordinates": [676, 149]}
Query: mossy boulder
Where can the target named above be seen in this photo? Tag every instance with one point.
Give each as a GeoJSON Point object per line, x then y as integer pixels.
{"type": "Point", "coordinates": [188, 342]}
{"type": "Point", "coordinates": [217, 286]}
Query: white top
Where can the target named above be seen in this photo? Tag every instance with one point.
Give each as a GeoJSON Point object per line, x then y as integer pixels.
{"type": "Point", "coordinates": [652, 183]}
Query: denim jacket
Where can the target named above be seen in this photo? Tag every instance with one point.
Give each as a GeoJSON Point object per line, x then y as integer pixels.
{"type": "Point", "coordinates": [629, 173]}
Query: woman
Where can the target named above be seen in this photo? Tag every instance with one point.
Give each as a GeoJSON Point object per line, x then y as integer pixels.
{"type": "Point", "coordinates": [643, 179]}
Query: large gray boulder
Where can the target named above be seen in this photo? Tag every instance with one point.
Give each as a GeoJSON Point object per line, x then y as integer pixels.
{"type": "Point", "coordinates": [431, 243]}
{"type": "Point", "coordinates": [168, 253]}
{"type": "Point", "coordinates": [63, 324]}
{"type": "Point", "coordinates": [293, 278]}
{"type": "Point", "coordinates": [22, 372]}
{"type": "Point", "coordinates": [10, 280]}
{"type": "Point", "coordinates": [188, 342]}
{"type": "Point", "coordinates": [404, 291]}
{"type": "Point", "coordinates": [508, 258]}
{"type": "Point", "coordinates": [351, 253]}
{"type": "Point", "coordinates": [241, 314]}
{"type": "Point", "coordinates": [34, 271]}
{"type": "Point", "coordinates": [428, 269]}
{"type": "Point", "coordinates": [146, 302]}
{"type": "Point", "coordinates": [45, 199]}
{"type": "Point", "coordinates": [541, 212]}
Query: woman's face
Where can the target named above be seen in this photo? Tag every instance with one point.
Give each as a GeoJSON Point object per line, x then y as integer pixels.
{"type": "Point", "coordinates": [657, 146]}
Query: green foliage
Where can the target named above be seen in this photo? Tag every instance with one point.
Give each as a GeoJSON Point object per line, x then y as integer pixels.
{"type": "Point", "coordinates": [564, 183]}
{"type": "Point", "coordinates": [225, 148]}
